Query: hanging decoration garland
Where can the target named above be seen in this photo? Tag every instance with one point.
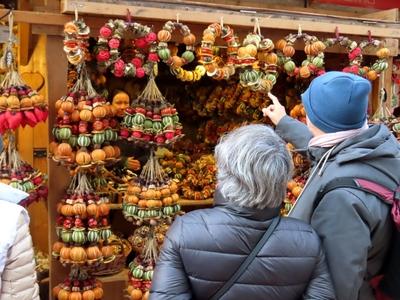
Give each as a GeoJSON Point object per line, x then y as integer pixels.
{"type": "Point", "coordinates": [20, 105]}
{"type": "Point", "coordinates": [313, 65]}
{"type": "Point", "coordinates": [76, 41]}
{"type": "Point", "coordinates": [79, 285]}
{"type": "Point", "coordinates": [257, 61]}
{"type": "Point", "coordinates": [82, 224]}
{"type": "Point", "coordinates": [175, 62]}
{"type": "Point", "coordinates": [85, 127]}
{"type": "Point", "coordinates": [355, 56]}
{"type": "Point", "coordinates": [214, 65]}
{"type": "Point", "coordinates": [143, 52]}
{"type": "Point", "coordinates": [151, 120]}
{"type": "Point", "coordinates": [19, 174]}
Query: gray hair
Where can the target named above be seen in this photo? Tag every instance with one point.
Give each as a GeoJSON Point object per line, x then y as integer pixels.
{"type": "Point", "coordinates": [254, 167]}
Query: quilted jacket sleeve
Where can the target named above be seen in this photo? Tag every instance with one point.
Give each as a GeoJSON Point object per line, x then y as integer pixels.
{"type": "Point", "coordinates": [18, 279]}
{"type": "Point", "coordinates": [320, 286]}
{"type": "Point", "coordinates": [294, 132]}
{"type": "Point", "coordinates": [170, 281]}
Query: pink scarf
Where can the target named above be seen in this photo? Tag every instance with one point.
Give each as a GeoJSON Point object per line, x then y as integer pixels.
{"type": "Point", "coordinates": [328, 140]}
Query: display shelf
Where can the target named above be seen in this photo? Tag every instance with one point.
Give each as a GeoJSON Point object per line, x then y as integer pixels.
{"type": "Point", "coordinates": [182, 202]}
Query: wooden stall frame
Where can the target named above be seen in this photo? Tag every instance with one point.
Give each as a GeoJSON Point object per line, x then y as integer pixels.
{"type": "Point", "coordinates": [276, 23]}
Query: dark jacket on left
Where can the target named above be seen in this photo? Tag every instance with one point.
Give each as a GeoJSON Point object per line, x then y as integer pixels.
{"type": "Point", "coordinates": [204, 248]}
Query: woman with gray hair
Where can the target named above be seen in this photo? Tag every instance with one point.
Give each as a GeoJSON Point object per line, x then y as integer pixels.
{"type": "Point", "coordinates": [241, 248]}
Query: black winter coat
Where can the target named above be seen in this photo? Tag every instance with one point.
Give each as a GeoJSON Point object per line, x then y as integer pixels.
{"type": "Point", "coordinates": [205, 247]}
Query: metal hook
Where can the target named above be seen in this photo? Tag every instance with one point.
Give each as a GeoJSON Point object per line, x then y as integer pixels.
{"type": "Point", "coordinates": [222, 22]}
{"type": "Point", "coordinates": [177, 18]}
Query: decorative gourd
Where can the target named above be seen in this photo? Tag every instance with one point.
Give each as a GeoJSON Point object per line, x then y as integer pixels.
{"type": "Point", "coordinates": [83, 140]}
{"type": "Point", "coordinates": [65, 253]}
{"type": "Point", "coordinates": [88, 295]}
{"type": "Point", "coordinates": [98, 125]}
{"type": "Point", "coordinates": [67, 210]}
{"type": "Point", "coordinates": [26, 102]}
{"type": "Point", "coordinates": [117, 151]}
{"type": "Point", "coordinates": [98, 155]}
{"type": "Point", "coordinates": [98, 293]}
{"type": "Point", "coordinates": [64, 150]}
{"type": "Point", "coordinates": [91, 210]}
{"type": "Point", "coordinates": [13, 102]}
{"type": "Point", "coordinates": [67, 106]}
{"type": "Point", "coordinates": [304, 72]}
{"type": "Point", "coordinates": [63, 295]}
{"type": "Point", "coordinates": [78, 236]}
{"type": "Point", "coordinates": [99, 112]}
{"type": "Point", "coordinates": [79, 208]}
{"type": "Point", "coordinates": [280, 44]}
{"type": "Point", "coordinates": [83, 158]}
{"type": "Point", "coordinates": [75, 296]}
{"type": "Point", "coordinates": [371, 75]}
{"type": "Point", "coordinates": [86, 115]}
{"type": "Point", "coordinates": [109, 150]}
{"type": "Point", "coordinates": [164, 35]}
{"type": "Point", "coordinates": [93, 252]}
{"type": "Point", "coordinates": [288, 51]}
{"type": "Point", "coordinates": [103, 209]}
{"type": "Point", "coordinates": [107, 251]}
{"type": "Point", "coordinates": [78, 254]}
{"type": "Point", "coordinates": [136, 294]}
{"type": "Point", "coordinates": [57, 246]}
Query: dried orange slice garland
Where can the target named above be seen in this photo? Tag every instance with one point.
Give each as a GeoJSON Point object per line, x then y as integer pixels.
{"type": "Point", "coordinates": [216, 68]}
{"type": "Point", "coordinates": [177, 62]}
{"type": "Point", "coordinates": [312, 65]}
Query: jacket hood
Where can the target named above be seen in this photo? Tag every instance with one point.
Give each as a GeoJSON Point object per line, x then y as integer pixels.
{"type": "Point", "coordinates": [375, 142]}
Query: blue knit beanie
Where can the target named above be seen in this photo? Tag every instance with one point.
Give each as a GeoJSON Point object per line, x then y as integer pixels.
{"type": "Point", "coordinates": [337, 101]}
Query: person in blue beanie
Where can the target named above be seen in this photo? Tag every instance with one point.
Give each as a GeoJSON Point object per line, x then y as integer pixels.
{"type": "Point", "coordinates": [354, 226]}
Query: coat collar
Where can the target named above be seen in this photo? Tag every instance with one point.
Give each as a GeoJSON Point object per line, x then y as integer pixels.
{"type": "Point", "coordinates": [245, 212]}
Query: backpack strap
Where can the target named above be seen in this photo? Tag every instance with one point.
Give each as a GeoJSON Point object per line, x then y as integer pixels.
{"type": "Point", "coordinates": [382, 192]}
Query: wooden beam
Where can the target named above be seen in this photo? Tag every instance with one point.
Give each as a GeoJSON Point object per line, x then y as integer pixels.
{"type": "Point", "coordinates": [389, 15]}
{"type": "Point", "coordinates": [209, 14]}
{"type": "Point", "coordinates": [24, 37]}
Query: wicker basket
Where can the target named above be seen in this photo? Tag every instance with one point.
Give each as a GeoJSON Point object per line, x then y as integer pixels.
{"type": "Point", "coordinates": [116, 263]}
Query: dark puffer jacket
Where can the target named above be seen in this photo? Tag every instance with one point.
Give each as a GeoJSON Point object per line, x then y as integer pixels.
{"type": "Point", "coordinates": [204, 248]}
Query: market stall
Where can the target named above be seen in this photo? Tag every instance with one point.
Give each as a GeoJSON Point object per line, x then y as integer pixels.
{"type": "Point", "coordinates": [139, 99]}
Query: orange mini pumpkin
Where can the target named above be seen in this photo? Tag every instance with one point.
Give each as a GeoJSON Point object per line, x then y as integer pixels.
{"type": "Point", "coordinates": [272, 59]}
{"type": "Point", "coordinates": [26, 102]}
{"type": "Point", "coordinates": [117, 151]}
{"type": "Point", "coordinates": [78, 254]}
{"type": "Point", "coordinates": [189, 39]}
{"type": "Point", "coordinates": [107, 251]}
{"type": "Point", "coordinates": [92, 210]}
{"type": "Point", "coordinates": [371, 75]}
{"type": "Point", "coordinates": [98, 155]}
{"type": "Point", "coordinates": [13, 102]}
{"type": "Point", "coordinates": [75, 296]}
{"type": "Point", "coordinates": [280, 44]}
{"type": "Point", "coordinates": [99, 112]}
{"type": "Point", "coordinates": [109, 150]}
{"type": "Point", "coordinates": [164, 36]}
{"type": "Point", "coordinates": [65, 253]}
{"type": "Point", "coordinates": [75, 116]}
{"type": "Point", "coordinates": [67, 210]}
{"type": "Point", "coordinates": [136, 294]}
{"type": "Point", "coordinates": [103, 209]}
{"type": "Point", "coordinates": [88, 295]}
{"type": "Point", "coordinates": [64, 149]}
{"type": "Point", "coordinates": [58, 103]}
{"type": "Point", "coordinates": [79, 209]}
{"type": "Point", "coordinates": [63, 295]}
{"type": "Point", "coordinates": [57, 246]}
{"type": "Point", "coordinates": [288, 51]}
{"type": "Point", "coordinates": [320, 46]}
{"type": "Point", "coordinates": [83, 158]}
{"type": "Point", "coordinates": [93, 252]}
{"type": "Point", "coordinates": [304, 72]}
{"type": "Point", "coordinates": [86, 115]}
{"type": "Point", "coordinates": [67, 106]}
